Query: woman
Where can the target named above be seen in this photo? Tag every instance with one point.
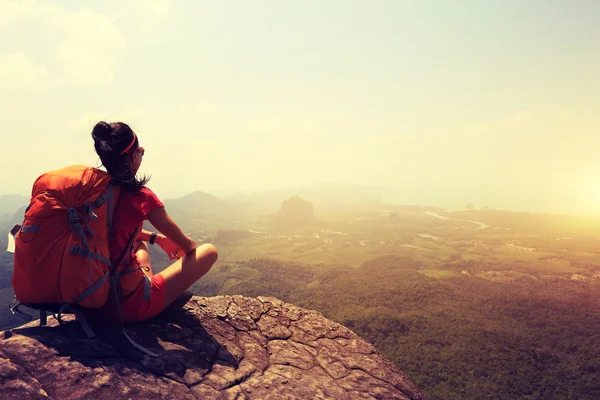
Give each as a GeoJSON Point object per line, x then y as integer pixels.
{"type": "Point", "coordinates": [120, 152]}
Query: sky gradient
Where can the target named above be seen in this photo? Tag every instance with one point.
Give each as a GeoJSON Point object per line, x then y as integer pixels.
{"type": "Point", "coordinates": [490, 102]}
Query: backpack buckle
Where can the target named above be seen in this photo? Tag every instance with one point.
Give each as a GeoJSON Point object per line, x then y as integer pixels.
{"type": "Point", "coordinates": [14, 305]}
{"type": "Point", "coordinates": [73, 215]}
{"type": "Point", "coordinates": [76, 250]}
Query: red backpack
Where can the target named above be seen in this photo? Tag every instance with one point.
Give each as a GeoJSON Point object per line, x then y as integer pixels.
{"type": "Point", "coordinates": [61, 249]}
{"type": "Point", "coordinates": [62, 260]}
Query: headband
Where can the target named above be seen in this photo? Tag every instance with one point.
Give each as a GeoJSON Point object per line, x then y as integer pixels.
{"type": "Point", "coordinates": [130, 145]}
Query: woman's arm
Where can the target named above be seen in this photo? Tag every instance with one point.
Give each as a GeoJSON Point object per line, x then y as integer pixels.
{"type": "Point", "coordinates": [165, 225]}
{"type": "Point", "coordinates": [160, 239]}
{"type": "Point", "coordinates": [144, 235]}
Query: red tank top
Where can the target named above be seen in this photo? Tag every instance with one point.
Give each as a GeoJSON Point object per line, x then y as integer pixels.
{"type": "Point", "coordinates": [131, 212]}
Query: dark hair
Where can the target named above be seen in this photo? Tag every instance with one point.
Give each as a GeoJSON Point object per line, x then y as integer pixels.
{"type": "Point", "coordinates": [110, 141]}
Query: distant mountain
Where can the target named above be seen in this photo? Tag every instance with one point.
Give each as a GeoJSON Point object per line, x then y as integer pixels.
{"type": "Point", "coordinates": [208, 208]}
{"type": "Point", "coordinates": [11, 203]}
{"type": "Point", "coordinates": [199, 202]}
{"type": "Point", "coordinates": [324, 196]}
{"type": "Point", "coordinates": [295, 213]}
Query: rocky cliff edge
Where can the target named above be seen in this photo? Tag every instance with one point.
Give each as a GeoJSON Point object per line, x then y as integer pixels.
{"type": "Point", "coordinates": [224, 347]}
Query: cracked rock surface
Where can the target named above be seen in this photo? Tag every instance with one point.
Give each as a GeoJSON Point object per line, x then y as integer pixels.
{"type": "Point", "coordinates": [224, 347]}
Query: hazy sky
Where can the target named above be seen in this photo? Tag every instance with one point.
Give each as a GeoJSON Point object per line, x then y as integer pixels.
{"type": "Point", "coordinates": [491, 102]}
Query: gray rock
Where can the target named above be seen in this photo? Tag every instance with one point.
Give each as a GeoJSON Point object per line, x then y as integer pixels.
{"type": "Point", "coordinates": [224, 347]}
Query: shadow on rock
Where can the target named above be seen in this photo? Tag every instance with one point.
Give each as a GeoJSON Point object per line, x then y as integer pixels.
{"type": "Point", "coordinates": [187, 350]}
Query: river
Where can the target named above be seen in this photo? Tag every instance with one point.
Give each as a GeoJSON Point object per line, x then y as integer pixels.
{"type": "Point", "coordinates": [438, 216]}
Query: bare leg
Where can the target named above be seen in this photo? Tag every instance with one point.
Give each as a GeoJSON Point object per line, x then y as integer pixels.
{"type": "Point", "coordinates": [187, 270]}
{"type": "Point", "coordinates": [141, 252]}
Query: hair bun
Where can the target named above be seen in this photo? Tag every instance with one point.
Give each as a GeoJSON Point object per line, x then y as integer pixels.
{"type": "Point", "coordinates": [102, 131]}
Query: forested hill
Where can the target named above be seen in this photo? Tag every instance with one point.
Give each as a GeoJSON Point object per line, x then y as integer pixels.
{"type": "Point", "coordinates": [457, 337]}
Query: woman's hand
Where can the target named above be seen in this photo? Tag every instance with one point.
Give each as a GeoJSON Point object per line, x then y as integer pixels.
{"type": "Point", "coordinates": [173, 251]}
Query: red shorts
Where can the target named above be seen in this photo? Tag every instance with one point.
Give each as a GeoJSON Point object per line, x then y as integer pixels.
{"type": "Point", "coordinates": [135, 308]}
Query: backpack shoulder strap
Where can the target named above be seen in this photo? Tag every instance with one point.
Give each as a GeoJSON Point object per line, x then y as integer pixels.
{"type": "Point", "coordinates": [112, 193]}
{"type": "Point", "coordinates": [115, 275]}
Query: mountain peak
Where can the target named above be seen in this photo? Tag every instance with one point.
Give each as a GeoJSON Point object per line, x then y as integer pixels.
{"type": "Point", "coordinates": [295, 212]}
{"type": "Point", "coordinates": [198, 194]}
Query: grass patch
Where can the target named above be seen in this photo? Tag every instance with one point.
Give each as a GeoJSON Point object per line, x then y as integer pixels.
{"type": "Point", "coordinates": [438, 273]}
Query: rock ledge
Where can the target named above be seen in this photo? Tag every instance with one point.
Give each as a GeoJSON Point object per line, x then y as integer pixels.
{"type": "Point", "coordinates": [224, 347]}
